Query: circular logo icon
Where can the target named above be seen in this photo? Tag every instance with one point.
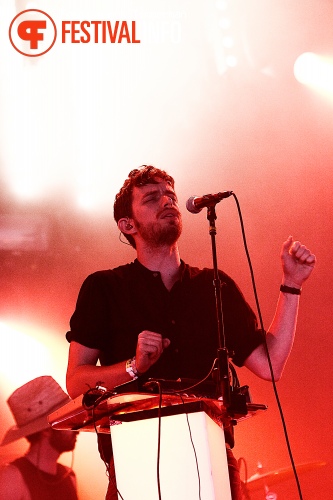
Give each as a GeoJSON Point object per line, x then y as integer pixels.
{"type": "Point", "coordinates": [32, 32]}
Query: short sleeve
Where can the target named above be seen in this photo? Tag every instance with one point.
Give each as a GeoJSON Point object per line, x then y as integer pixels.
{"type": "Point", "coordinates": [89, 323]}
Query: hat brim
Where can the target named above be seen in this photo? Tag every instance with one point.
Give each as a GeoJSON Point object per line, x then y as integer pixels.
{"type": "Point", "coordinates": [40, 424]}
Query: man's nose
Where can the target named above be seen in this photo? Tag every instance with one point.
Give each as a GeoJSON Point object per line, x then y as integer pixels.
{"type": "Point", "coordinates": [167, 201]}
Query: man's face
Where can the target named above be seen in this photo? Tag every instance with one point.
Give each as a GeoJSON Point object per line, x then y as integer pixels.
{"type": "Point", "coordinates": [156, 214]}
{"type": "Point", "coordinates": [63, 441]}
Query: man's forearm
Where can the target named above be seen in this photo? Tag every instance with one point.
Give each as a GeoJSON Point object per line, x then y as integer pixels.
{"type": "Point", "coordinates": [84, 377]}
{"type": "Point", "coordinates": [280, 338]}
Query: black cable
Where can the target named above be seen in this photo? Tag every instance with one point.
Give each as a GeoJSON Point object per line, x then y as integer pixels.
{"type": "Point", "coordinates": [194, 450]}
{"type": "Point", "coordinates": [245, 490]}
{"type": "Point", "coordinates": [267, 351]}
{"type": "Point", "coordinates": [159, 440]}
{"type": "Point", "coordinates": [159, 416]}
{"type": "Point", "coordinates": [241, 461]}
{"type": "Point", "coordinates": [186, 389]}
{"type": "Point", "coordinates": [123, 241]}
{"type": "Point", "coordinates": [235, 381]}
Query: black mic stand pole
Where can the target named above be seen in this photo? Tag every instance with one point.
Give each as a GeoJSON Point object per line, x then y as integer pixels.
{"type": "Point", "coordinates": [222, 352]}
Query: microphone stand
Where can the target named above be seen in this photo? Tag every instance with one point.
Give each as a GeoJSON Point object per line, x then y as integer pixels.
{"type": "Point", "coordinates": [222, 352]}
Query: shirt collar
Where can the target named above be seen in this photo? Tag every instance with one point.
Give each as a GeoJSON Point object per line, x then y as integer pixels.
{"type": "Point", "coordinates": [140, 268]}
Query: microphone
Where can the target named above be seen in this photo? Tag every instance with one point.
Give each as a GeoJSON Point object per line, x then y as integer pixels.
{"type": "Point", "coordinates": [196, 203]}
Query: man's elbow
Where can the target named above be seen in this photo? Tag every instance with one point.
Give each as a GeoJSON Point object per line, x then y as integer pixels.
{"type": "Point", "coordinates": [269, 377]}
{"type": "Point", "coordinates": [71, 386]}
{"type": "Point", "coordinates": [271, 373]}
{"type": "Point", "coordinates": [265, 371]}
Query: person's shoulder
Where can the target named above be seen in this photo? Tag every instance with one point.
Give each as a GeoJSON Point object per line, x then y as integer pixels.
{"type": "Point", "coordinates": [107, 276]}
{"type": "Point", "coordinates": [12, 485]}
{"type": "Point", "coordinates": [197, 276]}
{"type": "Point", "coordinates": [119, 271]}
{"type": "Point", "coordinates": [205, 272]}
{"type": "Point", "coordinates": [9, 471]}
{"type": "Point", "coordinates": [67, 471]}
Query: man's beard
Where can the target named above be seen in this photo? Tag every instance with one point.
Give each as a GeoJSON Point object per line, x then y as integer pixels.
{"type": "Point", "coordinates": [63, 442]}
{"type": "Point", "coordinates": [158, 235]}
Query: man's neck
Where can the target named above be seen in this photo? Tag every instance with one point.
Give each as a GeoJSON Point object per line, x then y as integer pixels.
{"type": "Point", "coordinates": [44, 457]}
{"type": "Point", "coordinates": [165, 260]}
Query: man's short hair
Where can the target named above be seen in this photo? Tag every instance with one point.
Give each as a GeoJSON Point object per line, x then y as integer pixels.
{"type": "Point", "coordinates": [146, 174]}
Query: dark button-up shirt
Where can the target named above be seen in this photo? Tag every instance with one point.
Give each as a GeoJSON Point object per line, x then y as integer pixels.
{"type": "Point", "coordinates": [114, 306]}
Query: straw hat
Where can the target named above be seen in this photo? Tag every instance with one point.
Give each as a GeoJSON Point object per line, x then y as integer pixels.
{"type": "Point", "coordinates": [30, 406]}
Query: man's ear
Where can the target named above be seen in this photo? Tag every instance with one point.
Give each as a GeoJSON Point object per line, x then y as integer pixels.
{"type": "Point", "coordinates": [126, 225]}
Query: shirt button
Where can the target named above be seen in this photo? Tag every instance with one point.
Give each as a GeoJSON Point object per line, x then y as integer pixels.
{"type": "Point", "coordinates": [155, 275]}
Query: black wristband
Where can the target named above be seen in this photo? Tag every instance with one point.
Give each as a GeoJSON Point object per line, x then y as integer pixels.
{"type": "Point", "coordinates": [289, 289]}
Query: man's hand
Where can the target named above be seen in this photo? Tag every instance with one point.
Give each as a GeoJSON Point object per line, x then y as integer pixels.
{"type": "Point", "coordinates": [149, 349]}
{"type": "Point", "coordinates": [297, 263]}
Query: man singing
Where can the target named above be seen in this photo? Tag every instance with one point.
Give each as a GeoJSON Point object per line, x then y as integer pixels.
{"type": "Point", "coordinates": [156, 318]}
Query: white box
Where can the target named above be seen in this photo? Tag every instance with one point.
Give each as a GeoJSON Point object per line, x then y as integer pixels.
{"type": "Point", "coordinates": [193, 461]}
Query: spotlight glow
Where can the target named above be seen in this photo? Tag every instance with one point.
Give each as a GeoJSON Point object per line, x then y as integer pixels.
{"type": "Point", "coordinates": [231, 61]}
{"type": "Point", "coordinates": [222, 4]}
{"type": "Point", "coordinates": [28, 351]}
{"type": "Point", "coordinates": [228, 42]}
{"type": "Point", "coordinates": [315, 71]}
{"type": "Point", "coordinates": [31, 356]}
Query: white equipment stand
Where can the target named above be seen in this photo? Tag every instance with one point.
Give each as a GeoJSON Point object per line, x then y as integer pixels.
{"type": "Point", "coordinates": [168, 446]}
{"type": "Point", "coordinates": [193, 463]}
